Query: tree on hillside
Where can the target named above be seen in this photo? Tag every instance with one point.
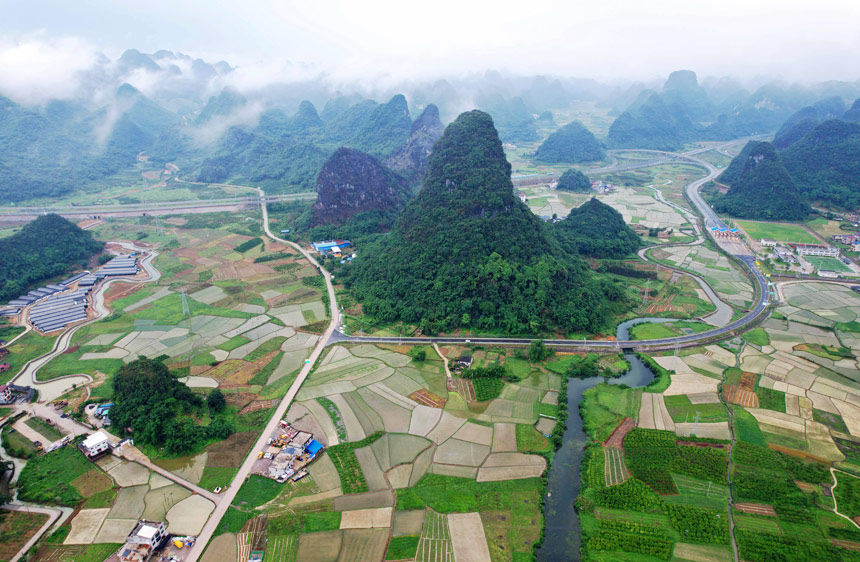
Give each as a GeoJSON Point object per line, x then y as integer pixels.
{"type": "Point", "coordinates": [574, 180]}
{"type": "Point", "coordinates": [152, 405]}
{"type": "Point", "coordinates": [215, 401]}
{"type": "Point", "coordinates": [597, 230]}
{"type": "Point", "coordinates": [47, 247]}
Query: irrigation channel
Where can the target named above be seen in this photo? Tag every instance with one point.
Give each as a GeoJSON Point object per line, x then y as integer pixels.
{"type": "Point", "coordinates": [562, 535]}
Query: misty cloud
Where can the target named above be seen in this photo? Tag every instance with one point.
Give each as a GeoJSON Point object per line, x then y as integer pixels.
{"type": "Point", "coordinates": [36, 68]}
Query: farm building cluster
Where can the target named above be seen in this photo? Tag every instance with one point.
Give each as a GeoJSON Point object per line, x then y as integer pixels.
{"type": "Point", "coordinates": [55, 306]}
{"type": "Point", "coordinates": [288, 452]}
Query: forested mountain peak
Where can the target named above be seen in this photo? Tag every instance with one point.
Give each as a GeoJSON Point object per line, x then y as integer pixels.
{"type": "Point", "coordinates": [352, 182]}
{"type": "Point", "coordinates": [681, 80]}
{"type": "Point", "coordinates": [574, 180]}
{"type": "Point", "coordinates": [468, 178]}
{"type": "Point", "coordinates": [760, 186]}
{"type": "Point", "coordinates": [222, 105]}
{"type": "Point", "coordinates": [572, 143]}
{"type": "Point", "coordinates": [806, 119]}
{"type": "Point", "coordinates": [825, 163]}
{"type": "Point", "coordinates": [44, 248]}
{"type": "Point", "coordinates": [597, 230]}
{"type": "Point", "coordinates": [853, 114]}
{"type": "Point", "coordinates": [466, 252]}
{"type": "Point", "coordinates": [307, 116]}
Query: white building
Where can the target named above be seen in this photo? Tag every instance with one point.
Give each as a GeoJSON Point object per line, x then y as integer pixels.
{"type": "Point", "coordinates": [784, 254]}
{"type": "Point", "coordinates": [5, 394]}
{"type": "Point", "coordinates": [816, 250]}
{"type": "Point", "coordinates": [142, 541]}
{"type": "Point", "coordinates": [828, 274]}
{"type": "Point", "coordinates": [95, 444]}
{"type": "Point", "coordinates": [768, 242]}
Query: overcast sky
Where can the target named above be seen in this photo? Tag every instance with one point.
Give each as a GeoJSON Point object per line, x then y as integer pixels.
{"type": "Point", "coordinates": [605, 39]}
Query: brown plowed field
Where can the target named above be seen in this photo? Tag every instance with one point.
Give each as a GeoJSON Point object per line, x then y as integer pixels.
{"type": "Point", "coordinates": [748, 381]}
{"type": "Point", "coordinates": [756, 509]}
{"type": "Point", "coordinates": [427, 398]}
{"type": "Point", "coordinates": [465, 388]}
{"type": "Point", "coordinates": [847, 545]}
{"type": "Point", "coordinates": [259, 405]}
{"type": "Point", "coordinates": [616, 438]}
{"type": "Point", "coordinates": [740, 396]}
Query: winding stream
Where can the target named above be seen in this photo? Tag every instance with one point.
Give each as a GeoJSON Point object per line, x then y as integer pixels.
{"type": "Point", "coordinates": [562, 536]}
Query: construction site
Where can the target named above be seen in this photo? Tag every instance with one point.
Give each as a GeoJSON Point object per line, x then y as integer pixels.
{"type": "Point", "coordinates": [287, 454]}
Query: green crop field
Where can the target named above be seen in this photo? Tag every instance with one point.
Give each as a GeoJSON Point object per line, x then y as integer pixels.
{"type": "Point", "coordinates": [49, 432]}
{"type": "Point", "coordinates": [828, 264]}
{"type": "Point", "coordinates": [779, 232]}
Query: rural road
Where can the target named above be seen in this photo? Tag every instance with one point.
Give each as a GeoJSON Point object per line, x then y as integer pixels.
{"type": "Point", "coordinates": [53, 515]}
{"type": "Point", "coordinates": [245, 470]}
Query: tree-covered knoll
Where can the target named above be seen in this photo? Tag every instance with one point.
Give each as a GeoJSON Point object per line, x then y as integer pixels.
{"type": "Point", "coordinates": [825, 164]}
{"type": "Point", "coordinates": [160, 411]}
{"type": "Point", "coordinates": [760, 186]}
{"type": "Point", "coordinates": [806, 119]}
{"type": "Point", "coordinates": [597, 230]}
{"type": "Point", "coordinates": [465, 252]}
{"type": "Point", "coordinates": [572, 143]}
{"type": "Point", "coordinates": [47, 247]}
{"type": "Point", "coordinates": [574, 180]}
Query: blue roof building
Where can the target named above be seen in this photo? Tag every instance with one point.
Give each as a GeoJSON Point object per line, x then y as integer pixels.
{"type": "Point", "coordinates": [327, 245]}
{"type": "Point", "coordinates": [313, 448]}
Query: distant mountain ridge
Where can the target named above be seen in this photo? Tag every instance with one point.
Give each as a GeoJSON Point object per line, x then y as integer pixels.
{"type": "Point", "coordinates": [411, 159]}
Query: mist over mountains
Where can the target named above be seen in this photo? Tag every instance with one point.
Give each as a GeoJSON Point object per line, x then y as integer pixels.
{"type": "Point", "coordinates": [220, 124]}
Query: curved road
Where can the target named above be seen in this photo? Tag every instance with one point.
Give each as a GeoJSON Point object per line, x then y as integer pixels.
{"type": "Point", "coordinates": [49, 390]}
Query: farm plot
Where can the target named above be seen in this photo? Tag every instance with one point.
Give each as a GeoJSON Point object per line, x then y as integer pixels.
{"type": "Point", "coordinates": [282, 547]}
{"type": "Point", "coordinates": [435, 542]}
{"type": "Point", "coordinates": [701, 553]}
{"type": "Point", "coordinates": [726, 281]}
{"type": "Point", "coordinates": [319, 547]}
{"type": "Point", "coordinates": [615, 470]}
{"type": "Point", "coordinates": [361, 545]}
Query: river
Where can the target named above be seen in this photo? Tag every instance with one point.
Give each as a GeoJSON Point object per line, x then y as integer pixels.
{"type": "Point", "coordinates": [562, 536]}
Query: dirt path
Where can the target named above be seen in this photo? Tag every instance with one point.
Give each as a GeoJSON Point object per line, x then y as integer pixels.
{"type": "Point", "coordinates": [833, 472]}
{"type": "Point", "coordinates": [444, 360]}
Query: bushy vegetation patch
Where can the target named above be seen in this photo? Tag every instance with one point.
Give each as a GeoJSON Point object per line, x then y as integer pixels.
{"type": "Point", "coordinates": [652, 455]}
{"type": "Point", "coordinates": [160, 409]}
{"type": "Point", "coordinates": [248, 244]}
{"type": "Point", "coordinates": [47, 478]}
{"type": "Point", "coordinates": [343, 456]}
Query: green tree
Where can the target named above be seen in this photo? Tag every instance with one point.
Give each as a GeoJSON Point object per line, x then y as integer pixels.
{"type": "Point", "coordinates": [420, 355]}
{"type": "Point", "coordinates": [538, 351]}
{"type": "Point", "coordinates": [215, 401]}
